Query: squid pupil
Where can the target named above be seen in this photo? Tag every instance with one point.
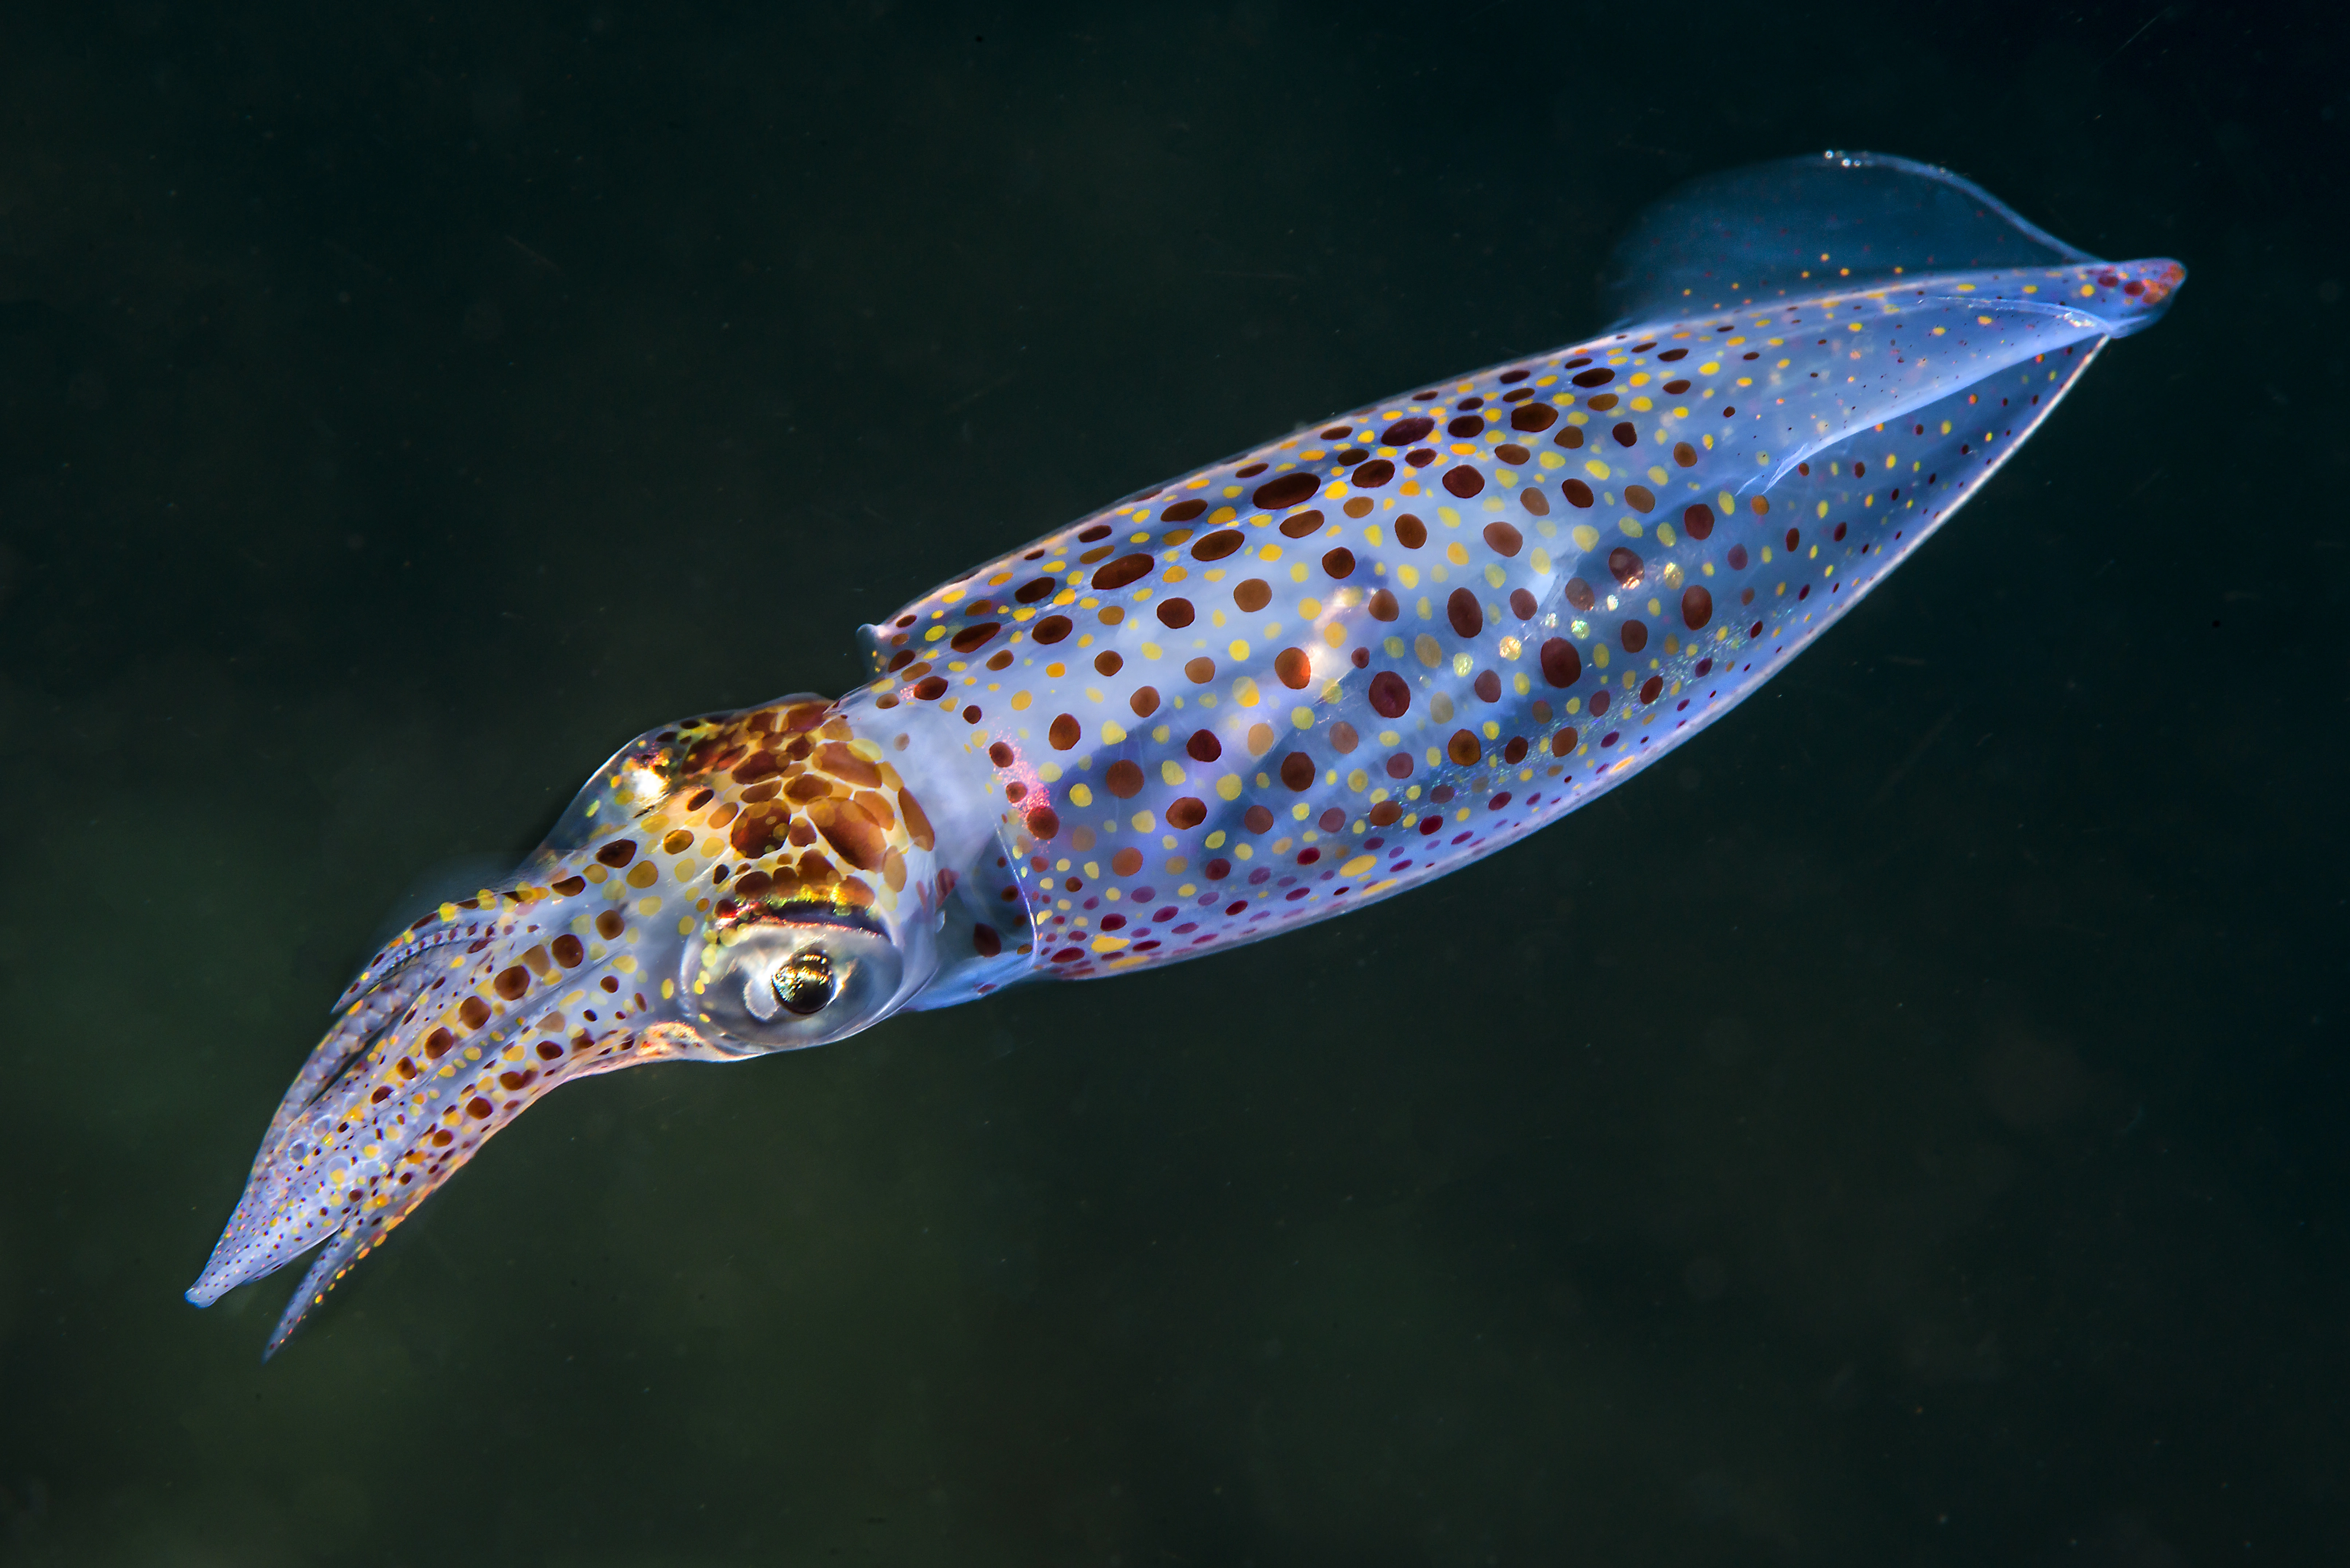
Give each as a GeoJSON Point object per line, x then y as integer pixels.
{"type": "Point", "coordinates": [803, 982]}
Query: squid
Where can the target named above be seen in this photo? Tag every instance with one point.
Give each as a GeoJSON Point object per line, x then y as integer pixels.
{"type": "Point", "coordinates": [1286, 685]}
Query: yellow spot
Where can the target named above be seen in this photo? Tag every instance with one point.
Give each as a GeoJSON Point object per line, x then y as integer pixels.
{"type": "Point", "coordinates": [1431, 653]}
{"type": "Point", "coordinates": [1270, 553]}
{"type": "Point", "coordinates": [1228, 788]}
{"type": "Point", "coordinates": [1597, 469]}
{"type": "Point", "coordinates": [1020, 701]}
{"type": "Point", "coordinates": [1109, 944]}
{"type": "Point", "coordinates": [1585, 535]}
{"type": "Point", "coordinates": [1244, 688]}
{"type": "Point", "coordinates": [1080, 794]}
{"type": "Point", "coordinates": [1359, 865]}
{"type": "Point", "coordinates": [668, 989]}
{"type": "Point", "coordinates": [1260, 740]}
{"type": "Point", "coordinates": [1455, 553]}
{"type": "Point", "coordinates": [1239, 649]}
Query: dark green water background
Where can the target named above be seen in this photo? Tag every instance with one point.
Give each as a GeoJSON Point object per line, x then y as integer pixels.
{"type": "Point", "coordinates": [1906, 1128]}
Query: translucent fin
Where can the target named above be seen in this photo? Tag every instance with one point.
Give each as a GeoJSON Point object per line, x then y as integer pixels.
{"type": "Point", "coordinates": [1805, 225]}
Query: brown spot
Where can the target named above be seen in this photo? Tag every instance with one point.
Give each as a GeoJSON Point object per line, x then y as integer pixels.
{"type": "Point", "coordinates": [1577, 493]}
{"type": "Point", "coordinates": [929, 689]}
{"type": "Point", "coordinates": [1403, 433]}
{"type": "Point", "coordinates": [1382, 604]}
{"type": "Point", "coordinates": [437, 1044]}
{"type": "Point", "coordinates": [1065, 732]}
{"type": "Point", "coordinates": [608, 925]}
{"type": "Point", "coordinates": [1570, 437]}
{"type": "Point", "coordinates": [1531, 498]}
{"type": "Point", "coordinates": [1522, 604]}
{"type": "Point", "coordinates": [571, 886]}
{"type": "Point", "coordinates": [1107, 662]}
{"type": "Point", "coordinates": [1532, 417]}
{"type": "Point", "coordinates": [1252, 593]}
{"type": "Point", "coordinates": [1697, 608]}
{"type": "Point", "coordinates": [1467, 425]}
{"type": "Point", "coordinates": [1640, 498]}
{"type": "Point", "coordinates": [1215, 547]}
{"type": "Point", "coordinates": [983, 939]}
{"type": "Point", "coordinates": [1203, 746]}
{"type": "Point", "coordinates": [1386, 813]}
{"type": "Point", "coordinates": [1176, 614]}
{"type": "Point", "coordinates": [1515, 752]}
{"type": "Point", "coordinates": [1634, 634]}
{"type": "Point", "coordinates": [1564, 742]}
{"type": "Point", "coordinates": [1737, 559]}
{"type": "Point", "coordinates": [1183, 511]}
{"type": "Point", "coordinates": [1579, 594]}
{"type": "Point", "coordinates": [1464, 748]}
{"type": "Point", "coordinates": [1411, 531]}
{"type": "Point", "coordinates": [1001, 755]}
{"type": "Point", "coordinates": [1290, 488]}
{"type": "Point", "coordinates": [1119, 573]}
{"type": "Point", "coordinates": [1186, 813]}
{"type": "Point", "coordinates": [1684, 453]}
{"type": "Point", "coordinates": [1372, 474]}
{"type": "Point", "coordinates": [1625, 566]}
{"type": "Point", "coordinates": [1051, 630]}
{"type": "Point", "coordinates": [620, 851]}
{"type": "Point", "coordinates": [1297, 771]}
{"type": "Point", "coordinates": [1467, 616]}
{"type": "Point", "coordinates": [917, 821]}
{"type": "Point", "coordinates": [1504, 539]}
{"type": "Point", "coordinates": [1294, 668]}
{"type": "Point", "coordinates": [1298, 524]}
{"type": "Point", "coordinates": [1390, 694]}
{"type": "Point", "coordinates": [971, 638]}
{"type": "Point", "coordinates": [1339, 563]}
{"type": "Point", "coordinates": [1651, 687]}
{"type": "Point", "coordinates": [1256, 819]}
{"type": "Point", "coordinates": [1597, 376]}
{"type": "Point", "coordinates": [1795, 537]}
{"type": "Point", "coordinates": [1145, 701]}
{"type": "Point", "coordinates": [478, 1109]}
{"type": "Point", "coordinates": [752, 885]}
{"type": "Point", "coordinates": [846, 765]}
{"type": "Point", "coordinates": [1036, 589]}
{"type": "Point", "coordinates": [1463, 481]}
{"type": "Point", "coordinates": [1124, 779]}
{"type": "Point", "coordinates": [473, 1012]}
{"type": "Point", "coordinates": [678, 842]}
{"type": "Point", "coordinates": [512, 982]}
{"type": "Point", "coordinates": [1043, 823]}
{"type": "Point", "coordinates": [1562, 665]}
{"type": "Point", "coordinates": [1200, 671]}
{"type": "Point", "coordinates": [1126, 862]}
{"type": "Point", "coordinates": [1488, 686]}
{"type": "Point", "coordinates": [809, 787]}
{"type": "Point", "coordinates": [568, 951]}
{"type": "Point", "coordinates": [1760, 504]}
{"type": "Point", "coordinates": [1697, 521]}
{"type": "Point", "coordinates": [512, 1081]}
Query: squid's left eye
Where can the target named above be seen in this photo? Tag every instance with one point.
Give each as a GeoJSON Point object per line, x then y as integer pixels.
{"type": "Point", "coordinates": [803, 982]}
{"type": "Point", "coordinates": [780, 986]}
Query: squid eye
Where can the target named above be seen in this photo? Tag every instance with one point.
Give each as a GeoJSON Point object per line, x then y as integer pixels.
{"type": "Point", "coordinates": [803, 982]}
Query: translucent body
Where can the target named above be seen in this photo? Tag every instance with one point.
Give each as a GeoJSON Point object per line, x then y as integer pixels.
{"type": "Point", "coordinates": [1283, 686]}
